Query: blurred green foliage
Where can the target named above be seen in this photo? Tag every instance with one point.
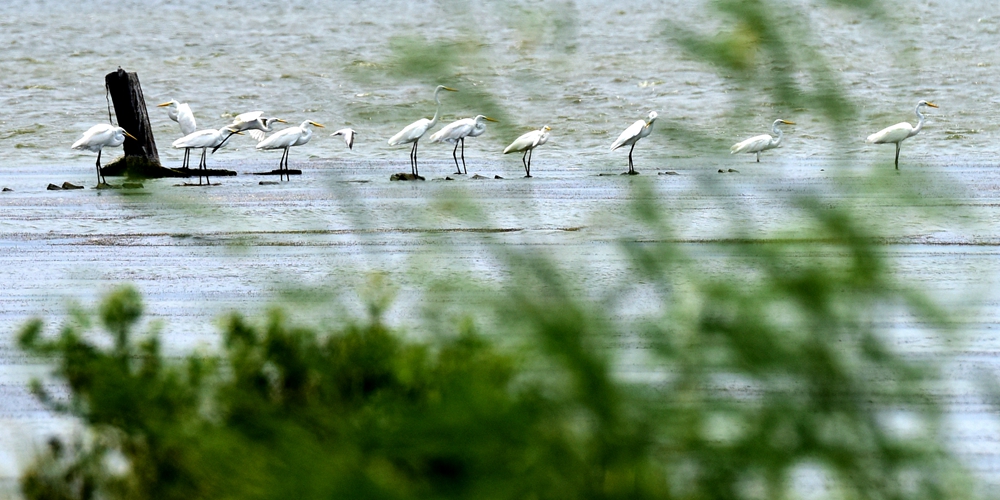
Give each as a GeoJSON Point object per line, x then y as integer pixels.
{"type": "Point", "coordinates": [753, 380]}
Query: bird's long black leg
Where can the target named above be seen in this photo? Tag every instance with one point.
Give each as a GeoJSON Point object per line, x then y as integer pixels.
{"type": "Point", "coordinates": [98, 167]}
{"type": "Point", "coordinates": [454, 156]}
{"type": "Point", "coordinates": [203, 165]}
{"type": "Point", "coordinates": [897, 156]}
{"type": "Point", "coordinates": [288, 175]}
{"type": "Point", "coordinates": [758, 156]}
{"type": "Point", "coordinates": [529, 162]}
{"type": "Point", "coordinates": [524, 157]}
{"type": "Point", "coordinates": [631, 169]}
{"type": "Point", "coordinates": [416, 168]}
{"type": "Point", "coordinates": [463, 156]}
{"type": "Point", "coordinates": [223, 143]}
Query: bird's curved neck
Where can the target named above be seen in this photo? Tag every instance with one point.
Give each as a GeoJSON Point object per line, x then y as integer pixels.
{"type": "Point", "coordinates": [777, 131]}
{"type": "Point", "coordinates": [920, 121]}
{"type": "Point", "coordinates": [437, 110]}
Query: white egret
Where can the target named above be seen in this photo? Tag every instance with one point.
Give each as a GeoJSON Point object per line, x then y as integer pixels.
{"type": "Point", "coordinates": [900, 131]}
{"type": "Point", "coordinates": [181, 113]}
{"type": "Point", "coordinates": [456, 132]}
{"type": "Point", "coordinates": [98, 137]}
{"type": "Point", "coordinates": [414, 131]}
{"type": "Point", "coordinates": [286, 138]}
{"type": "Point", "coordinates": [527, 143]}
{"type": "Point", "coordinates": [631, 135]}
{"type": "Point", "coordinates": [348, 135]}
{"type": "Point", "coordinates": [762, 142]}
{"type": "Point", "coordinates": [253, 123]}
{"type": "Point", "coordinates": [203, 139]}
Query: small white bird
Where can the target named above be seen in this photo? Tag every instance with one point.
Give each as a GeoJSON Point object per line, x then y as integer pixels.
{"type": "Point", "coordinates": [348, 135]}
{"type": "Point", "coordinates": [98, 137]}
{"type": "Point", "coordinates": [631, 135]}
{"type": "Point", "coordinates": [182, 114]}
{"type": "Point", "coordinates": [527, 143]}
{"type": "Point", "coordinates": [762, 142]}
{"type": "Point", "coordinates": [414, 131]}
{"type": "Point", "coordinates": [286, 138]}
{"type": "Point", "coordinates": [900, 131]}
{"type": "Point", "coordinates": [456, 132]}
{"type": "Point", "coordinates": [203, 139]}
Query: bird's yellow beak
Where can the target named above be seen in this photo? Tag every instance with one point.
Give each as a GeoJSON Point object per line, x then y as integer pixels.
{"type": "Point", "coordinates": [546, 128]}
{"type": "Point", "coordinates": [786, 122]}
{"type": "Point", "coordinates": [931, 104]}
{"type": "Point", "coordinates": [279, 120]}
{"type": "Point", "coordinates": [490, 119]}
{"type": "Point", "coordinates": [130, 136]}
{"type": "Point", "coordinates": [449, 88]}
{"type": "Point", "coordinates": [314, 124]}
{"type": "Point", "coordinates": [164, 104]}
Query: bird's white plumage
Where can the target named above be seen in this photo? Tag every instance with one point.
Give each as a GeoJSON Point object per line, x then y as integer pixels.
{"type": "Point", "coordinates": [530, 140]}
{"type": "Point", "coordinates": [348, 136]}
{"type": "Point", "coordinates": [460, 129]}
{"type": "Point", "coordinates": [100, 136]}
{"type": "Point", "coordinates": [762, 142]}
{"type": "Point", "coordinates": [203, 139]}
{"type": "Point", "coordinates": [892, 134]}
{"type": "Point", "coordinates": [635, 131]}
{"type": "Point", "coordinates": [254, 123]}
{"type": "Point", "coordinates": [291, 136]}
{"type": "Point", "coordinates": [414, 131]}
{"type": "Point", "coordinates": [181, 113]}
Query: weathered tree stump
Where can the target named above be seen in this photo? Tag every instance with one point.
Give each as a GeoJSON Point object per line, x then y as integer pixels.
{"type": "Point", "coordinates": [141, 159]}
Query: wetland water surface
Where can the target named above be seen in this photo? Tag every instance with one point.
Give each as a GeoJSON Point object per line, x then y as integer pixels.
{"type": "Point", "coordinates": [583, 68]}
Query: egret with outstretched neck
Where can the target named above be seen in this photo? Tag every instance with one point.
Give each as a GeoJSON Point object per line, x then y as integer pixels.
{"type": "Point", "coordinates": [900, 131]}
{"type": "Point", "coordinates": [631, 135]}
{"type": "Point", "coordinates": [253, 123]}
{"type": "Point", "coordinates": [414, 131]}
{"type": "Point", "coordinates": [98, 137]}
{"type": "Point", "coordinates": [456, 132]}
{"type": "Point", "coordinates": [762, 142]}
{"type": "Point", "coordinates": [527, 143]}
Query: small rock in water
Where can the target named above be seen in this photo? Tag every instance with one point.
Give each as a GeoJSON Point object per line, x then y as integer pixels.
{"type": "Point", "coordinates": [668, 172]}
{"type": "Point", "coordinates": [6, 189]}
{"type": "Point", "coordinates": [448, 178]}
{"type": "Point", "coordinates": [402, 176]}
{"type": "Point", "coordinates": [497, 177]}
{"type": "Point", "coordinates": [105, 185]}
{"type": "Point", "coordinates": [267, 183]}
{"type": "Point", "coordinates": [722, 171]}
{"type": "Point", "coordinates": [53, 187]}
{"type": "Point", "coordinates": [733, 170]}
{"type": "Point", "coordinates": [477, 176]}
{"type": "Point", "coordinates": [67, 185]}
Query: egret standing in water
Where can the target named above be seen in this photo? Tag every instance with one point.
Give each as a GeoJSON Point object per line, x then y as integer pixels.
{"type": "Point", "coordinates": [900, 131]}
{"type": "Point", "coordinates": [348, 135]}
{"type": "Point", "coordinates": [414, 131]}
{"type": "Point", "coordinates": [762, 142]}
{"type": "Point", "coordinates": [527, 143]}
{"type": "Point", "coordinates": [631, 135]}
{"type": "Point", "coordinates": [286, 138]}
{"type": "Point", "coordinates": [456, 132]}
{"type": "Point", "coordinates": [182, 114]}
{"type": "Point", "coordinates": [203, 139]}
{"type": "Point", "coordinates": [99, 136]}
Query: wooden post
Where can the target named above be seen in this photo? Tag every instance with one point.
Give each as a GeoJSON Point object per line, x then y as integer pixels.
{"type": "Point", "coordinates": [130, 109]}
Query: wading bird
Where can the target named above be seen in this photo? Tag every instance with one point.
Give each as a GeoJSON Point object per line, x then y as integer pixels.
{"type": "Point", "coordinates": [286, 138]}
{"type": "Point", "coordinates": [414, 131]}
{"type": "Point", "coordinates": [762, 142]}
{"type": "Point", "coordinates": [100, 136]}
{"type": "Point", "coordinates": [203, 139]}
{"type": "Point", "coordinates": [253, 123]}
{"type": "Point", "coordinates": [348, 135]}
{"type": "Point", "coordinates": [631, 135]}
{"type": "Point", "coordinates": [527, 143]}
{"type": "Point", "coordinates": [900, 131]}
{"type": "Point", "coordinates": [456, 132]}
{"type": "Point", "coordinates": [182, 114]}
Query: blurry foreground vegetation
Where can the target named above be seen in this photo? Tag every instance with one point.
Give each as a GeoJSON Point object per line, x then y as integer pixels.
{"type": "Point", "coordinates": [757, 386]}
{"type": "Point", "coordinates": [770, 379]}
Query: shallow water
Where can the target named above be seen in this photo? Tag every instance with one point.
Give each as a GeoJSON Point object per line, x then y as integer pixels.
{"type": "Point", "coordinates": [581, 67]}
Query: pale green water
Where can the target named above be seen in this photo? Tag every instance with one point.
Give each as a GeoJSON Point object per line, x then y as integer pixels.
{"type": "Point", "coordinates": [584, 68]}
